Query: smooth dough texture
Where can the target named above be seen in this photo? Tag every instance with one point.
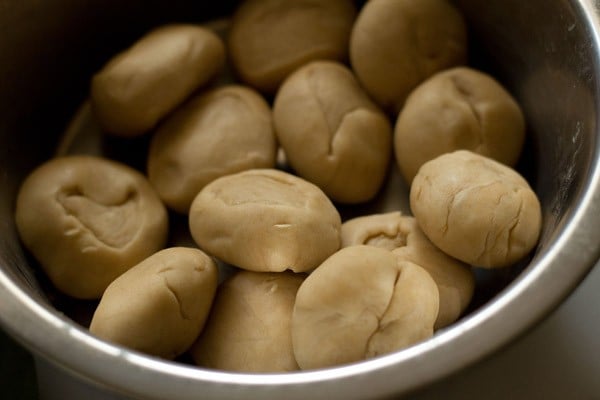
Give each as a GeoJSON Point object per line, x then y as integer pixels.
{"type": "Point", "coordinates": [476, 209]}
{"type": "Point", "coordinates": [159, 306]}
{"type": "Point", "coordinates": [142, 84]}
{"type": "Point", "coordinates": [402, 235]}
{"type": "Point", "coordinates": [87, 220]}
{"type": "Point", "coordinates": [359, 304]}
{"type": "Point", "coordinates": [271, 38]}
{"type": "Point", "coordinates": [219, 132]}
{"type": "Point", "coordinates": [396, 44]}
{"type": "Point", "coordinates": [249, 328]}
{"type": "Point", "coordinates": [265, 220]}
{"type": "Point", "coordinates": [460, 108]}
{"type": "Point", "coordinates": [332, 133]}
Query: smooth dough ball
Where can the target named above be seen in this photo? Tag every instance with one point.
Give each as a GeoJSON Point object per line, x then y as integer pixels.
{"type": "Point", "coordinates": [396, 44]}
{"type": "Point", "coordinates": [362, 302]}
{"type": "Point", "coordinates": [271, 38]}
{"type": "Point", "coordinates": [99, 218]}
{"type": "Point", "coordinates": [159, 306]}
{"type": "Point", "coordinates": [476, 209]}
{"type": "Point", "coordinates": [460, 108]}
{"type": "Point", "coordinates": [249, 328]}
{"type": "Point", "coordinates": [402, 235]}
{"type": "Point", "coordinates": [142, 84]}
{"type": "Point", "coordinates": [217, 133]}
{"type": "Point", "coordinates": [332, 133]}
{"type": "Point", "coordinates": [265, 220]}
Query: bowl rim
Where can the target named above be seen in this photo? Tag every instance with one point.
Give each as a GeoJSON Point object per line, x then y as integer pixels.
{"type": "Point", "coordinates": [52, 336]}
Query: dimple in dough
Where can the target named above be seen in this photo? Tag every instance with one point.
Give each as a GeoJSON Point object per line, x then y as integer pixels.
{"type": "Point", "coordinates": [160, 305]}
{"type": "Point", "coordinates": [362, 302]}
{"type": "Point", "coordinates": [476, 209]}
{"type": "Point", "coordinates": [265, 220]}
{"type": "Point", "coordinates": [219, 132]}
{"type": "Point", "coordinates": [87, 220]}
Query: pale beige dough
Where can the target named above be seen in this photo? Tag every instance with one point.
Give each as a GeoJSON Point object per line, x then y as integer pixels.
{"type": "Point", "coordinates": [217, 133]}
{"type": "Point", "coordinates": [476, 209]}
{"type": "Point", "coordinates": [396, 44]}
{"type": "Point", "coordinates": [265, 220]}
{"type": "Point", "coordinates": [159, 306]}
{"type": "Point", "coordinates": [271, 38]}
{"type": "Point", "coordinates": [460, 108]}
{"type": "Point", "coordinates": [87, 220]}
{"type": "Point", "coordinates": [332, 133]}
{"type": "Point", "coordinates": [362, 302]}
{"type": "Point", "coordinates": [143, 83]}
{"type": "Point", "coordinates": [249, 326]}
{"type": "Point", "coordinates": [402, 235]}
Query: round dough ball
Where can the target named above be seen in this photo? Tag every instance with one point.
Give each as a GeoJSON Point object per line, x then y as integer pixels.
{"type": "Point", "coordinates": [265, 220]}
{"type": "Point", "coordinates": [159, 306]}
{"type": "Point", "coordinates": [476, 209]}
{"type": "Point", "coordinates": [460, 108]}
{"type": "Point", "coordinates": [217, 133]}
{"type": "Point", "coordinates": [249, 328]}
{"type": "Point", "coordinates": [142, 84]}
{"type": "Point", "coordinates": [402, 235]}
{"type": "Point", "coordinates": [99, 217]}
{"type": "Point", "coordinates": [332, 133]}
{"type": "Point", "coordinates": [396, 44]}
{"type": "Point", "coordinates": [271, 38]}
{"type": "Point", "coordinates": [361, 303]}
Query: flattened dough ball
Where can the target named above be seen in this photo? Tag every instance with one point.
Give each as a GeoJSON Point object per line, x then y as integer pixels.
{"type": "Point", "coordinates": [476, 209]}
{"type": "Point", "coordinates": [87, 220]}
{"type": "Point", "coordinates": [460, 108]}
{"type": "Point", "coordinates": [217, 133]}
{"type": "Point", "coordinates": [396, 44]}
{"type": "Point", "coordinates": [142, 84]}
{"type": "Point", "coordinates": [249, 328]}
{"type": "Point", "coordinates": [265, 220]}
{"type": "Point", "coordinates": [271, 38]}
{"type": "Point", "coordinates": [159, 306]}
{"type": "Point", "coordinates": [359, 304]}
{"type": "Point", "coordinates": [402, 235]}
{"type": "Point", "coordinates": [332, 133]}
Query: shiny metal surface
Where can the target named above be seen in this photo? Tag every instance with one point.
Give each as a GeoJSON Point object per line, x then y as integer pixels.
{"type": "Point", "coordinates": [546, 51]}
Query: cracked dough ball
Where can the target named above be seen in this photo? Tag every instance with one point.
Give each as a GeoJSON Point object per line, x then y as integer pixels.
{"type": "Point", "coordinates": [397, 44]}
{"type": "Point", "coordinates": [142, 84]}
{"type": "Point", "coordinates": [159, 306]}
{"type": "Point", "coordinates": [271, 38]}
{"type": "Point", "coordinates": [458, 109]}
{"type": "Point", "coordinates": [476, 209]}
{"type": "Point", "coordinates": [362, 302]}
{"type": "Point", "coordinates": [265, 220]}
{"type": "Point", "coordinates": [332, 133]}
{"type": "Point", "coordinates": [217, 133]}
{"type": "Point", "coordinates": [402, 235]}
{"type": "Point", "coordinates": [100, 218]}
{"type": "Point", "coordinates": [249, 326]}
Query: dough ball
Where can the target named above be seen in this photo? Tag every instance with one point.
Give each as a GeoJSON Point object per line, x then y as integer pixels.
{"type": "Point", "coordinates": [396, 44]}
{"type": "Point", "coordinates": [476, 209]}
{"type": "Point", "coordinates": [361, 303]}
{"type": "Point", "coordinates": [87, 220]}
{"type": "Point", "coordinates": [458, 109]}
{"type": "Point", "coordinates": [249, 327]}
{"type": "Point", "coordinates": [332, 133]}
{"type": "Point", "coordinates": [402, 235]}
{"type": "Point", "coordinates": [271, 38]}
{"type": "Point", "coordinates": [265, 220]}
{"type": "Point", "coordinates": [160, 305]}
{"type": "Point", "coordinates": [142, 84]}
{"type": "Point", "coordinates": [217, 133]}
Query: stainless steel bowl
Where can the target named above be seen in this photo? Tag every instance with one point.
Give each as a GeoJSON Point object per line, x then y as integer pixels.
{"type": "Point", "coordinates": [545, 51]}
